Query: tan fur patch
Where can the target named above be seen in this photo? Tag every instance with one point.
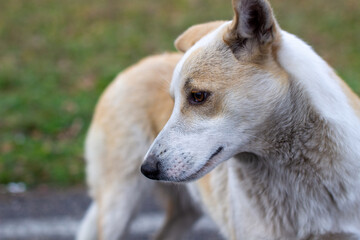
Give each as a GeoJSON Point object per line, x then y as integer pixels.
{"type": "Point", "coordinates": [205, 185]}
{"type": "Point", "coordinates": [221, 71]}
{"type": "Point", "coordinates": [194, 34]}
{"type": "Point", "coordinates": [140, 92]}
{"type": "Point", "coordinates": [151, 78]}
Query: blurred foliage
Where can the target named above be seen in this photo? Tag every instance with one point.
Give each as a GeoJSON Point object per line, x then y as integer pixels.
{"type": "Point", "coordinates": [56, 57]}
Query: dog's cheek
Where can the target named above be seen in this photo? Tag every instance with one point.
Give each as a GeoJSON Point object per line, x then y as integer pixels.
{"type": "Point", "coordinates": [179, 167]}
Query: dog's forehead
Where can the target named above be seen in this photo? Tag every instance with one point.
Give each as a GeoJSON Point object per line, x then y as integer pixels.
{"type": "Point", "coordinates": [204, 42]}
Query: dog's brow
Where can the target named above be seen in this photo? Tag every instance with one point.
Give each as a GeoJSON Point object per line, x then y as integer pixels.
{"type": "Point", "coordinates": [188, 82]}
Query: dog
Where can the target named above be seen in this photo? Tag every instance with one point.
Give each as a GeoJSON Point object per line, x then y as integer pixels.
{"type": "Point", "coordinates": [263, 132]}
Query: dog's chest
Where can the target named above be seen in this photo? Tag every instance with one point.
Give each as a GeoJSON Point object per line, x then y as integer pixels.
{"type": "Point", "coordinates": [223, 198]}
{"type": "Point", "coordinates": [253, 201]}
{"type": "Point", "coordinates": [288, 201]}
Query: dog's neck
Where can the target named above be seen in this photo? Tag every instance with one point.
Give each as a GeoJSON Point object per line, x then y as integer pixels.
{"type": "Point", "coordinates": [313, 123]}
{"type": "Point", "coordinates": [294, 166]}
{"type": "Point", "coordinates": [297, 139]}
{"type": "Point", "coordinates": [295, 133]}
{"type": "Point", "coordinates": [296, 170]}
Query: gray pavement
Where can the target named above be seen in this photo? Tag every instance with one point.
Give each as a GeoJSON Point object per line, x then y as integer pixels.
{"type": "Point", "coordinates": [55, 214]}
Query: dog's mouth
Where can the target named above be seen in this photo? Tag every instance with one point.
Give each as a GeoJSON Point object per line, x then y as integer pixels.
{"type": "Point", "coordinates": [210, 164]}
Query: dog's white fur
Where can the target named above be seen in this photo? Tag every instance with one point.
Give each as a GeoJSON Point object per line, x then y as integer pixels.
{"type": "Point", "coordinates": [276, 145]}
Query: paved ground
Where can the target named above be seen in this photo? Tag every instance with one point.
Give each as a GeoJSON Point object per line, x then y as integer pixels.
{"type": "Point", "coordinates": [55, 214]}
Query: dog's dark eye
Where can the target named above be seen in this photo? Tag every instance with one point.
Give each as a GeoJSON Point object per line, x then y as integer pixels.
{"type": "Point", "coordinates": [197, 97]}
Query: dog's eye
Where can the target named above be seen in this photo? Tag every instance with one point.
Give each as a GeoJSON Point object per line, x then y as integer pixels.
{"type": "Point", "coordinates": [198, 96]}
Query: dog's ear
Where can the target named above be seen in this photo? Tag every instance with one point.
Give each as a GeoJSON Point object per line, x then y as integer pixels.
{"type": "Point", "coordinates": [253, 25]}
{"type": "Point", "coordinates": [194, 34]}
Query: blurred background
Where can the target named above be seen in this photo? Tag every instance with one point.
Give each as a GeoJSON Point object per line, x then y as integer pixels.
{"type": "Point", "coordinates": [56, 57]}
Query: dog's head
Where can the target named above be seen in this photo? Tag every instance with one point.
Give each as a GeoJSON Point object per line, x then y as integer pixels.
{"type": "Point", "coordinates": [225, 86]}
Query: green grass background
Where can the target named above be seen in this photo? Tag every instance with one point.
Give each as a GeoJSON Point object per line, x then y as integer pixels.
{"type": "Point", "coordinates": [56, 57]}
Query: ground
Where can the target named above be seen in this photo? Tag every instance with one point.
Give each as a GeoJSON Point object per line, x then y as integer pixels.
{"type": "Point", "coordinates": [55, 214]}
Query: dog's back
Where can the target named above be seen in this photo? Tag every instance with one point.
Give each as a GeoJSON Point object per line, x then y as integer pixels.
{"type": "Point", "coordinates": [138, 93]}
{"type": "Point", "coordinates": [128, 116]}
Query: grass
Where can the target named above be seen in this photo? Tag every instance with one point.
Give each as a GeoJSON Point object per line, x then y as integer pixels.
{"type": "Point", "coordinates": [56, 57]}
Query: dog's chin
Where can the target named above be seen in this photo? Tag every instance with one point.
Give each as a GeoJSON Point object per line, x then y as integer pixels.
{"type": "Point", "coordinates": [189, 176]}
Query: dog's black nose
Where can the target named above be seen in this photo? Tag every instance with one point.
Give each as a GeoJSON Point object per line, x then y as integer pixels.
{"type": "Point", "coordinates": [150, 168]}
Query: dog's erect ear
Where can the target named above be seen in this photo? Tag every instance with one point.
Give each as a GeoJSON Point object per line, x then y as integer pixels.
{"type": "Point", "coordinates": [194, 34]}
{"type": "Point", "coordinates": [253, 22]}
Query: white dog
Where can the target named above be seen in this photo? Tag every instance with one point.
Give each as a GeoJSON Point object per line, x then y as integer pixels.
{"type": "Point", "coordinates": [268, 128]}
